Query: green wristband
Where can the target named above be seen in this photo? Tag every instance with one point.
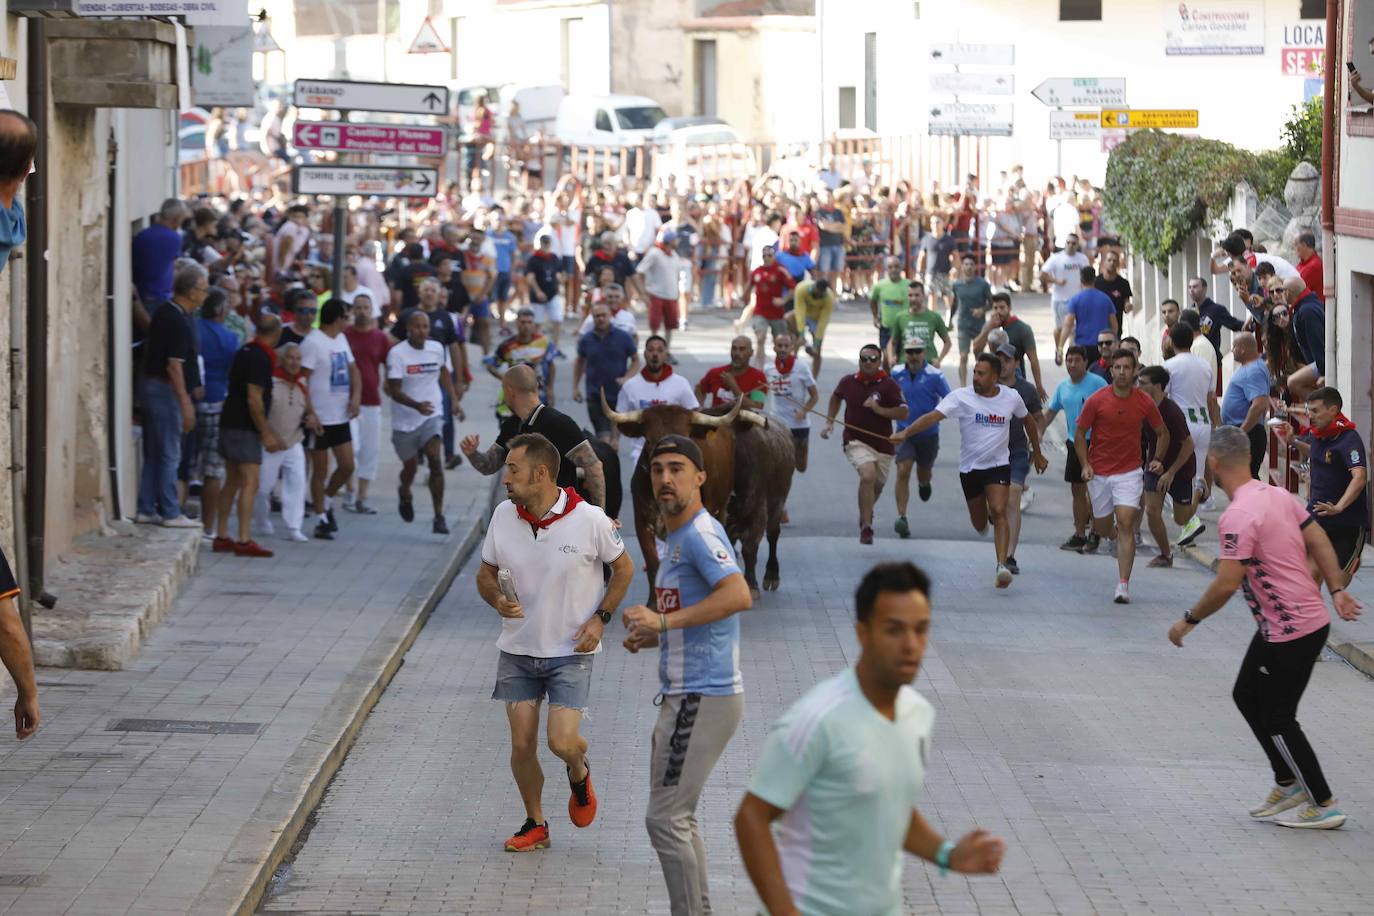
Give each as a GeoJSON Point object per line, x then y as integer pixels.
{"type": "Point", "coordinates": [942, 857]}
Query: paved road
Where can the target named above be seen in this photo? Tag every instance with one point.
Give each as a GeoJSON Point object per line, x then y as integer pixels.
{"type": "Point", "coordinates": [1114, 764]}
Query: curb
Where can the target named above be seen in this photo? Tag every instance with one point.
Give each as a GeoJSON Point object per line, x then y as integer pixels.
{"type": "Point", "coordinates": [242, 878]}
{"type": "Point", "coordinates": [1359, 654]}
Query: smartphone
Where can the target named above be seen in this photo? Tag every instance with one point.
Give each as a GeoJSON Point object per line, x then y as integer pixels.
{"type": "Point", "coordinates": [1350, 65]}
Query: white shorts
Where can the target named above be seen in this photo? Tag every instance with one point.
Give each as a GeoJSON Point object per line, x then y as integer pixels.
{"type": "Point", "coordinates": [1107, 491]}
{"type": "Point", "coordinates": [550, 312]}
{"type": "Point", "coordinates": [1202, 440]}
{"type": "Point", "coordinates": [1061, 311]}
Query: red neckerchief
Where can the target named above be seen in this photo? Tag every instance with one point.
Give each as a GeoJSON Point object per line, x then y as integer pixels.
{"type": "Point", "coordinates": [1011, 320]}
{"type": "Point", "coordinates": [785, 367]}
{"type": "Point", "coordinates": [271, 354]}
{"type": "Point", "coordinates": [1334, 428]}
{"type": "Point", "coordinates": [664, 372]}
{"type": "Point", "coordinates": [299, 382]}
{"type": "Point", "coordinates": [573, 500]}
{"type": "Point", "coordinates": [664, 248]}
{"type": "Point", "coordinates": [882, 374]}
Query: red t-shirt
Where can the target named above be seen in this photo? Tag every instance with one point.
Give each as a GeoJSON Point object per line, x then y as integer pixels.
{"type": "Point", "coordinates": [810, 236]}
{"type": "Point", "coordinates": [713, 384]}
{"type": "Point", "coordinates": [369, 352]}
{"type": "Point", "coordinates": [1312, 274]}
{"type": "Point", "coordinates": [1115, 424]}
{"type": "Point", "coordinates": [769, 284]}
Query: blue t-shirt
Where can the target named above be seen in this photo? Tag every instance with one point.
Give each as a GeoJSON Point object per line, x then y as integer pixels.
{"type": "Point", "coordinates": [155, 251]}
{"type": "Point", "coordinates": [702, 659]}
{"type": "Point", "coordinates": [505, 245]}
{"type": "Point", "coordinates": [1332, 461]}
{"type": "Point", "coordinates": [1090, 309]}
{"type": "Point", "coordinates": [605, 360]}
{"type": "Point", "coordinates": [1070, 397]}
{"type": "Point", "coordinates": [922, 390]}
{"type": "Point", "coordinates": [1247, 383]}
{"type": "Point", "coordinates": [796, 264]}
{"type": "Point", "coordinates": [218, 345]}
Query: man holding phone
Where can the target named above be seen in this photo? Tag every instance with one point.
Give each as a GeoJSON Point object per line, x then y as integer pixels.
{"type": "Point", "coordinates": [1355, 81]}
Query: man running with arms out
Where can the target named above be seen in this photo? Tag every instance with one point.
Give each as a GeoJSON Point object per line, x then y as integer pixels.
{"type": "Point", "coordinates": [872, 400]}
{"type": "Point", "coordinates": [843, 768]}
{"type": "Point", "coordinates": [1111, 466]}
{"type": "Point", "coordinates": [1168, 473]}
{"type": "Point", "coordinates": [923, 386]}
{"type": "Point", "coordinates": [549, 545]}
{"type": "Point", "coordinates": [917, 322]}
{"type": "Point", "coordinates": [972, 298]}
{"type": "Point", "coordinates": [700, 592]}
{"type": "Point", "coordinates": [417, 370]}
{"type": "Point", "coordinates": [984, 410]}
{"type": "Point", "coordinates": [1267, 540]}
{"type": "Point", "coordinates": [888, 302]}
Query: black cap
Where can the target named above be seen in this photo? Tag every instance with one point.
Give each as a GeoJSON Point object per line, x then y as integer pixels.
{"type": "Point", "coordinates": [679, 445]}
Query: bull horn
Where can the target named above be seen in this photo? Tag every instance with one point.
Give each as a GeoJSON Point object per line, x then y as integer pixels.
{"type": "Point", "coordinates": [710, 422]}
{"type": "Point", "coordinates": [753, 416]}
{"type": "Point", "coordinates": [633, 416]}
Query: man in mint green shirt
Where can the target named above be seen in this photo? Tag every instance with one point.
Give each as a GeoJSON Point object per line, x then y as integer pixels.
{"type": "Point", "coordinates": [919, 323]}
{"type": "Point", "coordinates": [888, 301]}
{"type": "Point", "coordinates": [843, 767]}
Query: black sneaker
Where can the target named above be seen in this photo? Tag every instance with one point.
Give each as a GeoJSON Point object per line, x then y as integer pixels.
{"type": "Point", "coordinates": [406, 506]}
{"type": "Point", "coordinates": [1011, 564]}
{"type": "Point", "coordinates": [440, 526]}
{"type": "Point", "coordinates": [1091, 543]}
{"type": "Point", "coordinates": [274, 503]}
{"type": "Point", "coordinates": [923, 490]}
{"type": "Point", "coordinates": [333, 525]}
{"type": "Point", "coordinates": [453, 462]}
{"type": "Point", "coordinates": [322, 531]}
{"type": "Point", "coordinates": [1075, 543]}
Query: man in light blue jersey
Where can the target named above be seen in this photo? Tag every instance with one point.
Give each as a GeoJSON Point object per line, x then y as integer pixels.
{"type": "Point", "coordinates": [699, 591]}
{"type": "Point", "coordinates": [843, 768]}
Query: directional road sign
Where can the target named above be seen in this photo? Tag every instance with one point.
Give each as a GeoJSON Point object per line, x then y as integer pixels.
{"type": "Point", "coordinates": [1074, 125]}
{"type": "Point", "coordinates": [371, 180]}
{"type": "Point", "coordinates": [971, 119]}
{"type": "Point", "coordinates": [370, 138]}
{"type": "Point", "coordinates": [1139, 118]}
{"type": "Point", "coordinates": [959, 55]}
{"type": "Point", "coordinates": [343, 95]}
{"type": "Point", "coordinates": [1082, 92]}
{"type": "Point", "coordinates": [967, 83]}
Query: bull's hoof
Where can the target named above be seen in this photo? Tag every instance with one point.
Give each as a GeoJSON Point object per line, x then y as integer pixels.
{"type": "Point", "coordinates": [770, 585]}
{"type": "Point", "coordinates": [754, 592]}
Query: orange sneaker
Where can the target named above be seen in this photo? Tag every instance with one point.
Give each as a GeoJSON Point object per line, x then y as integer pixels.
{"type": "Point", "coordinates": [250, 549]}
{"type": "Point", "coordinates": [222, 545]}
{"type": "Point", "coordinates": [582, 802]}
{"type": "Point", "coordinates": [530, 837]}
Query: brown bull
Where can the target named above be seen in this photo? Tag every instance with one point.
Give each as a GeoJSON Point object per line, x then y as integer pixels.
{"type": "Point", "coordinates": [714, 435]}
{"type": "Point", "coordinates": [764, 464]}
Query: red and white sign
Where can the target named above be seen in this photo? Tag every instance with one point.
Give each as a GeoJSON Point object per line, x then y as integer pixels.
{"type": "Point", "coordinates": [1309, 62]}
{"type": "Point", "coordinates": [370, 138]}
{"type": "Point", "coordinates": [427, 40]}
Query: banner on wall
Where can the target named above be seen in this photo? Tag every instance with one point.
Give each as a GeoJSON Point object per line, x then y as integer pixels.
{"type": "Point", "coordinates": [1213, 27]}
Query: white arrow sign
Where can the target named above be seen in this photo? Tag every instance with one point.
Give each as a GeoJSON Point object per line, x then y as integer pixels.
{"type": "Point", "coordinates": [343, 95]}
{"type": "Point", "coordinates": [971, 119]}
{"type": "Point", "coordinates": [1075, 125]}
{"type": "Point", "coordinates": [958, 55]}
{"type": "Point", "coordinates": [1082, 92]}
{"type": "Point", "coordinates": [369, 180]}
{"type": "Point", "coordinates": [967, 83]}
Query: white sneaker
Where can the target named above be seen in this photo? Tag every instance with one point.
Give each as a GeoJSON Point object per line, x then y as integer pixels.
{"type": "Point", "coordinates": [1123, 593]}
{"type": "Point", "coordinates": [264, 528]}
{"type": "Point", "coordinates": [1027, 497]}
{"type": "Point", "coordinates": [181, 521]}
{"type": "Point", "coordinates": [295, 534]}
{"type": "Point", "coordinates": [1003, 576]}
{"type": "Point", "coordinates": [142, 519]}
{"type": "Point", "coordinates": [1280, 799]}
{"type": "Point", "coordinates": [1209, 504]}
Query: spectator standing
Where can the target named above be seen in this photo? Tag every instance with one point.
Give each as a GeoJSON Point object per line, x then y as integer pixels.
{"type": "Point", "coordinates": [1308, 325]}
{"type": "Point", "coordinates": [834, 233]}
{"type": "Point", "coordinates": [289, 416]}
{"type": "Point", "coordinates": [369, 345]}
{"type": "Point", "coordinates": [218, 346]}
{"type": "Point", "coordinates": [504, 243]}
{"type": "Point", "coordinates": [933, 263]}
{"type": "Point", "coordinates": [1117, 287]}
{"type": "Point", "coordinates": [1310, 265]}
{"type": "Point", "coordinates": [303, 310]}
{"type": "Point", "coordinates": [1246, 402]}
{"type": "Point", "coordinates": [245, 434]}
{"type": "Point", "coordinates": [18, 145]}
{"type": "Point", "coordinates": [1212, 317]}
{"type": "Point", "coordinates": [608, 357]}
{"type": "Point", "coordinates": [336, 397]}
{"type": "Point", "coordinates": [155, 251]}
{"type": "Point", "coordinates": [291, 243]}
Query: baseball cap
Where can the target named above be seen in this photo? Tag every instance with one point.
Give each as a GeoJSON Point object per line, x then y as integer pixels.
{"type": "Point", "coordinates": [915, 343]}
{"type": "Point", "coordinates": [1007, 350]}
{"type": "Point", "coordinates": [669, 236]}
{"type": "Point", "coordinates": [679, 445]}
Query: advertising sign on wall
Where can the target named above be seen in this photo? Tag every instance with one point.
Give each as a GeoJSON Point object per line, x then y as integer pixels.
{"type": "Point", "coordinates": [1213, 27]}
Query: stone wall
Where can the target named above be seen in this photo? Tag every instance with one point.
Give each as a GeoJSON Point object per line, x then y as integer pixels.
{"type": "Point", "coordinates": [648, 55]}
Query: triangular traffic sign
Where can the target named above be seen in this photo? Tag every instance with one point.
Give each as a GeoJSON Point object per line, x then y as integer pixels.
{"type": "Point", "coordinates": [427, 40]}
{"type": "Point", "coordinates": [263, 42]}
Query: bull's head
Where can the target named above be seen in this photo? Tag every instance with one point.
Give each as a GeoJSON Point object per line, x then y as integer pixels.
{"type": "Point", "coordinates": [669, 419]}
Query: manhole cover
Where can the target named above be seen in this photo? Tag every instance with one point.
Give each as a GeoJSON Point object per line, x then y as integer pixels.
{"type": "Point", "coordinates": [184, 726]}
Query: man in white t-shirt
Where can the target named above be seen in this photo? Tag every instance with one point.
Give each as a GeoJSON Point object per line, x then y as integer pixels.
{"type": "Point", "coordinates": [657, 278]}
{"type": "Point", "coordinates": [1061, 274]}
{"type": "Point", "coordinates": [336, 393]}
{"type": "Point", "coordinates": [656, 383]}
{"type": "Point", "coordinates": [761, 236]}
{"type": "Point", "coordinates": [1191, 387]}
{"type": "Point", "coordinates": [792, 394]}
{"type": "Point", "coordinates": [621, 317]}
{"type": "Point", "coordinates": [418, 372]}
{"type": "Point", "coordinates": [641, 225]}
{"type": "Point", "coordinates": [549, 546]}
{"type": "Point", "coordinates": [984, 411]}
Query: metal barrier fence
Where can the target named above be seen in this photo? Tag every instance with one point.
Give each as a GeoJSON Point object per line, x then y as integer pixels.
{"type": "Point", "coordinates": [1287, 468]}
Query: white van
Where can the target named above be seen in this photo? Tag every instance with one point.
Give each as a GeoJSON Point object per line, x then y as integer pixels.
{"type": "Point", "coordinates": [607, 120]}
{"type": "Point", "coordinates": [539, 106]}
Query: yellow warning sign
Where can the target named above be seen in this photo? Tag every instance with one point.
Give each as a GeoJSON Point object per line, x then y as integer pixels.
{"type": "Point", "coordinates": [1140, 118]}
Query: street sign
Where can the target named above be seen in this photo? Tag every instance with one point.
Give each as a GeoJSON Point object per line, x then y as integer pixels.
{"type": "Point", "coordinates": [370, 138]}
{"type": "Point", "coordinates": [1140, 118]}
{"type": "Point", "coordinates": [371, 180]}
{"type": "Point", "coordinates": [1074, 125]}
{"type": "Point", "coordinates": [1082, 92]}
{"type": "Point", "coordinates": [427, 40]}
{"type": "Point", "coordinates": [970, 119]}
{"type": "Point", "coordinates": [958, 55]}
{"type": "Point", "coordinates": [344, 95]}
{"type": "Point", "coordinates": [222, 68]}
{"type": "Point", "coordinates": [1111, 139]}
{"type": "Point", "coordinates": [967, 83]}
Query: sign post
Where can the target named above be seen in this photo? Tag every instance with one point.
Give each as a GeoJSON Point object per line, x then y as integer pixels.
{"type": "Point", "coordinates": [1143, 118]}
{"type": "Point", "coordinates": [1082, 92]}
{"type": "Point", "coordinates": [368, 180]}
{"type": "Point", "coordinates": [370, 138]}
{"type": "Point", "coordinates": [344, 95]}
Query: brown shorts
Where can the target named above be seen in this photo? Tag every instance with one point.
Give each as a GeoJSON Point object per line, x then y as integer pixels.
{"type": "Point", "coordinates": [662, 314]}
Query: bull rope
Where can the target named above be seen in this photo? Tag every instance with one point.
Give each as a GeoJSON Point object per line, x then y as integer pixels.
{"type": "Point", "coordinates": [826, 417]}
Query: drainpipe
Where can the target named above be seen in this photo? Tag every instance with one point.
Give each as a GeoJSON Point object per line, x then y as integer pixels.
{"type": "Point", "coordinates": [1330, 124]}
{"type": "Point", "coordinates": [111, 380]}
{"type": "Point", "coordinates": [36, 343]}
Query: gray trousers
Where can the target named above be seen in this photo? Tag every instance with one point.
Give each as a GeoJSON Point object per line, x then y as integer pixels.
{"type": "Point", "coordinates": [689, 737]}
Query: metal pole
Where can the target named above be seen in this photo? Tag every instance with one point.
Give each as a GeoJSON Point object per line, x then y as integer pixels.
{"type": "Point", "coordinates": [340, 220]}
{"type": "Point", "coordinates": [1059, 153]}
{"type": "Point", "coordinates": [820, 66]}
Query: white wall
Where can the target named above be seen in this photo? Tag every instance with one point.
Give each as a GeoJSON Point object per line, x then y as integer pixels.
{"type": "Point", "coordinates": [500, 45]}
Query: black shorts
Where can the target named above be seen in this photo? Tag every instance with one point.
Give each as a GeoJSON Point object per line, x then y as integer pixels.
{"type": "Point", "coordinates": [976, 481]}
{"type": "Point", "coordinates": [332, 437]}
{"type": "Point", "coordinates": [1180, 491]}
{"type": "Point", "coordinates": [1348, 544]}
{"type": "Point", "coordinates": [1073, 471]}
{"type": "Point", "coordinates": [601, 424]}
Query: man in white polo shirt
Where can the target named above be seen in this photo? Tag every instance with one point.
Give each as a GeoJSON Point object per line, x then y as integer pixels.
{"type": "Point", "coordinates": [655, 384]}
{"type": "Point", "coordinates": [542, 571]}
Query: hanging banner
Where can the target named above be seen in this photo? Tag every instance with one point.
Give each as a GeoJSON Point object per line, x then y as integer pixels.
{"type": "Point", "coordinates": [222, 66]}
{"type": "Point", "coordinates": [1213, 27]}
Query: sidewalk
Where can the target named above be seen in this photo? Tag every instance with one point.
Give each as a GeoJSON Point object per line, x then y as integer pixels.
{"type": "Point", "coordinates": [177, 784]}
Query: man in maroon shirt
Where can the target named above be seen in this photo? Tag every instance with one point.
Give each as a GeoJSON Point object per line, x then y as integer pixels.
{"type": "Point", "coordinates": [369, 344]}
{"type": "Point", "coordinates": [735, 379]}
{"type": "Point", "coordinates": [872, 400]}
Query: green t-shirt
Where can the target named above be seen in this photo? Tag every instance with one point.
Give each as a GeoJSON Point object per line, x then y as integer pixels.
{"type": "Point", "coordinates": [974, 296]}
{"type": "Point", "coordinates": [926, 325]}
{"type": "Point", "coordinates": [891, 296]}
{"type": "Point", "coordinates": [848, 780]}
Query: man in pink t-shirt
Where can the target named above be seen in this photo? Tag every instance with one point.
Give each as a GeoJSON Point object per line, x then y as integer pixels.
{"type": "Point", "coordinates": [1266, 537]}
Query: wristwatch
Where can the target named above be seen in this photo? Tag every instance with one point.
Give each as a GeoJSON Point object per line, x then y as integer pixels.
{"type": "Point", "coordinates": [1189, 619]}
{"type": "Point", "coordinates": [605, 615]}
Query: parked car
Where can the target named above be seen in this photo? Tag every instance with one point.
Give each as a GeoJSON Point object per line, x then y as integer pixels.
{"type": "Point", "coordinates": [663, 130]}
{"type": "Point", "coordinates": [608, 120]}
{"type": "Point", "coordinates": [711, 150]}
{"type": "Point", "coordinates": [538, 106]}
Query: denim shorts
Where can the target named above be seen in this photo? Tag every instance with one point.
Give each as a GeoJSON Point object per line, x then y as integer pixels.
{"type": "Point", "coordinates": [831, 259]}
{"type": "Point", "coordinates": [566, 680]}
{"type": "Point", "coordinates": [1020, 467]}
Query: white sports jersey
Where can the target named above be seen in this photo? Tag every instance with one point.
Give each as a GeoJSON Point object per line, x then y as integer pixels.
{"type": "Point", "coordinates": [639, 393]}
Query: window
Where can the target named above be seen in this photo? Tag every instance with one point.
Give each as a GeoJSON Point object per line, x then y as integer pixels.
{"type": "Point", "coordinates": [1312, 9]}
{"type": "Point", "coordinates": [1080, 10]}
{"type": "Point", "coordinates": [848, 107]}
{"type": "Point", "coordinates": [603, 120]}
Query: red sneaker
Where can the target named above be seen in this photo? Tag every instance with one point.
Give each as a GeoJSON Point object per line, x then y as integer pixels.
{"type": "Point", "coordinates": [222, 545]}
{"type": "Point", "coordinates": [582, 802]}
{"type": "Point", "coordinates": [251, 549]}
{"type": "Point", "coordinates": [530, 837]}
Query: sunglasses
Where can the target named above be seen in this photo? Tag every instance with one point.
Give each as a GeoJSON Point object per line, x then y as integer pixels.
{"type": "Point", "coordinates": [1280, 313]}
{"type": "Point", "coordinates": [869, 359]}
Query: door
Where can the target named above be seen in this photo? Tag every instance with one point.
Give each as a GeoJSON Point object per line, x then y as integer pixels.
{"type": "Point", "coordinates": [848, 105]}
{"type": "Point", "coordinates": [705, 65]}
{"type": "Point", "coordinates": [871, 81]}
